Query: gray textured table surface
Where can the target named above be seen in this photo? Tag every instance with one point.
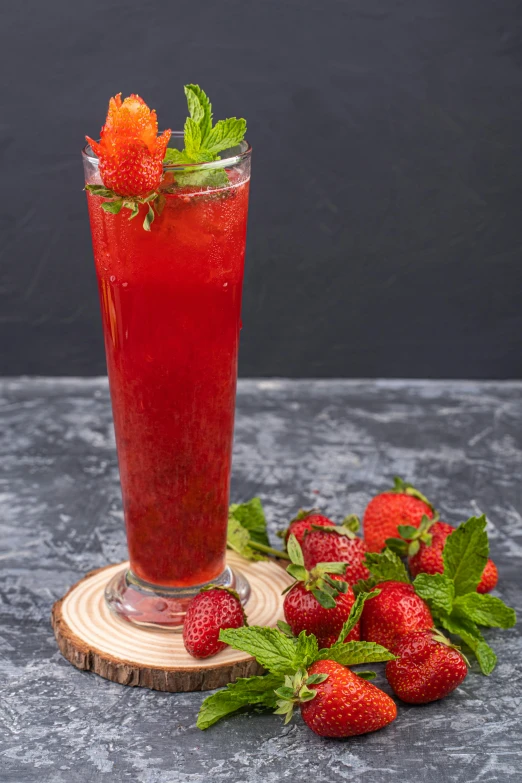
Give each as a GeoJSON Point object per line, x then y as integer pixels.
{"type": "Point", "coordinates": [330, 444]}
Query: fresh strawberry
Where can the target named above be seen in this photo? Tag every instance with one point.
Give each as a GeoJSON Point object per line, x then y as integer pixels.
{"type": "Point", "coordinates": [402, 505]}
{"type": "Point", "coordinates": [130, 151]}
{"type": "Point", "coordinates": [304, 522]}
{"type": "Point", "coordinates": [212, 609]}
{"type": "Point", "coordinates": [336, 544]}
{"type": "Point", "coordinates": [394, 612]}
{"type": "Point", "coordinates": [335, 702]}
{"type": "Point", "coordinates": [489, 578]}
{"type": "Point", "coordinates": [428, 667]}
{"type": "Point", "coordinates": [303, 612]}
{"type": "Point", "coordinates": [428, 557]}
{"type": "Point", "coordinates": [320, 600]}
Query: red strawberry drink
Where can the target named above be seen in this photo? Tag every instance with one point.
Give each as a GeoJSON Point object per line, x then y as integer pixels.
{"type": "Point", "coordinates": [171, 301]}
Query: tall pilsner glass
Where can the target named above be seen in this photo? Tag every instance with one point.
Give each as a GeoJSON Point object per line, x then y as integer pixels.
{"type": "Point", "coordinates": [171, 301]}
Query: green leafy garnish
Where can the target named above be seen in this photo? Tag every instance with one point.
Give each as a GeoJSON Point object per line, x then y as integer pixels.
{"type": "Point", "coordinates": [452, 596]}
{"type": "Point", "coordinates": [286, 659]}
{"type": "Point", "coordinates": [465, 555]}
{"type": "Point", "coordinates": [247, 532]}
{"type": "Point", "coordinates": [251, 691]}
{"type": "Point", "coordinates": [203, 141]}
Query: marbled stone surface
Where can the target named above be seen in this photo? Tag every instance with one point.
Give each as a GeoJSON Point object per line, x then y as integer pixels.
{"type": "Point", "coordinates": [330, 444]}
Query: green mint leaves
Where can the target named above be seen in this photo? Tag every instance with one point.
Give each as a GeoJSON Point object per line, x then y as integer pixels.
{"type": "Point", "coordinates": [466, 554]}
{"type": "Point", "coordinates": [452, 596]}
{"type": "Point", "coordinates": [203, 141]}
{"type": "Point", "coordinates": [247, 533]}
{"type": "Point", "coordinates": [286, 659]}
{"type": "Point", "coordinates": [244, 692]}
{"type": "Point", "coordinates": [154, 201]}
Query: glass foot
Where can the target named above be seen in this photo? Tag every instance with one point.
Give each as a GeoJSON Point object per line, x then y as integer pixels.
{"type": "Point", "coordinates": [142, 603]}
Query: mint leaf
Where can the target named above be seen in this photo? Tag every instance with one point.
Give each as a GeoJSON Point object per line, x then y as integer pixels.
{"type": "Point", "coordinates": [200, 109]}
{"type": "Point", "coordinates": [203, 143]}
{"type": "Point", "coordinates": [384, 566]}
{"type": "Point", "coordinates": [175, 157]}
{"type": "Point", "coordinates": [252, 517]}
{"type": "Point", "coordinates": [271, 648]}
{"type": "Point", "coordinates": [355, 614]}
{"type": "Point", "coordinates": [238, 539]}
{"type": "Point", "coordinates": [465, 555]}
{"type": "Point", "coordinates": [485, 610]}
{"type": "Point", "coordinates": [192, 138]}
{"type": "Point", "coordinates": [437, 590]}
{"type": "Point", "coordinates": [257, 690]}
{"type": "Point", "coordinates": [470, 635]}
{"type": "Point", "coordinates": [352, 653]}
{"type": "Point", "coordinates": [305, 651]}
{"type": "Point", "coordinates": [225, 134]}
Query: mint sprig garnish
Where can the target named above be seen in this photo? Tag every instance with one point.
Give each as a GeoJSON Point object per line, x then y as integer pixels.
{"type": "Point", "coordinates": [286, 659]}
{"type": "Point", "coordinates": [247, 531]}
{"type": "Point", "coordinates": [203, 141]}
{"type": "Point", "coordinates": [154, 200]}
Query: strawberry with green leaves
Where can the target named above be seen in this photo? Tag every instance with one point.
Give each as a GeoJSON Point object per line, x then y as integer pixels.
{"type": "Point", "coordinates": [134, 160]}
{"type": "Point", "coordinates": [401, 505]}
{"type": "Point", "coordinates": [424, 546]}
{"type": "Point", "coordinates": [304, 522]}
{"type": "Point", "coordinates": [336, 702]}
{"type": "Point", "coordinates": [452, 596]}
{"type": "Point", "coordinates": [212, 609]}
{"type": "Point", "coordinates": [337, 543]}
{"type": "Point", "coordinates": [319, 601]}
{"type": "Point", "coordinates": [333, 700]}
{"type": "Point", "coordinates": [427, 668]}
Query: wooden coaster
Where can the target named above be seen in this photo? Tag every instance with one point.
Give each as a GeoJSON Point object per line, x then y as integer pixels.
{"type": "Point", "coordinates": [92, 638]}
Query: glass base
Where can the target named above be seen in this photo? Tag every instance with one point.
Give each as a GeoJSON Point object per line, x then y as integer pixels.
{"type": "Point", "coordinates": [148, 605]}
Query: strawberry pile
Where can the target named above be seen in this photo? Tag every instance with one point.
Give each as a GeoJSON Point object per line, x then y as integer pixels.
{"type": "Point", "coordinates": [353, 602]}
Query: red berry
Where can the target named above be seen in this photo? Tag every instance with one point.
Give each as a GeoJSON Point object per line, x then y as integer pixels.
{"type": "Point", "coordinates": [303, 612]}
{"type": "Point", "coordinates": [489, 578]}
{"type": "Point", "coordinates": [299, 527]}
{"type": "Point", "coordinates": [329, 547]}
{"type": "Point", "coordinates": [385, 512]}
{"type": "Point", "coordinates": [209, 611]}
{"type": "Point", "coordinates": [392, 613]}
{"type": "Point", "coordinates": [130, 151]}
{"type": "Point", "coordinates": [345, 705]}
{"type": "Point", "coordinates": [428, 560]}
{"type": "Point", "coordinates": [427, 668]}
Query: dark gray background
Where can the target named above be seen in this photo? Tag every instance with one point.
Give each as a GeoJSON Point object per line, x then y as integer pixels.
{"type": "Point", "coordinates": [385, 233]}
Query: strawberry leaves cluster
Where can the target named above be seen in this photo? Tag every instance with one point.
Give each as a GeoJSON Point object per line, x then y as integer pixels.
{"type": "Point", "coordinates": [286, 659]}
{"type": "Point", "coordinates": [451, 596]}
{"type": "Point", "coordinates": [154, 201]}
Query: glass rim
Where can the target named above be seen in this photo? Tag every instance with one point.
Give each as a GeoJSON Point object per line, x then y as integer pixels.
{"type": "Point", "coordinates": [245, 151]}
